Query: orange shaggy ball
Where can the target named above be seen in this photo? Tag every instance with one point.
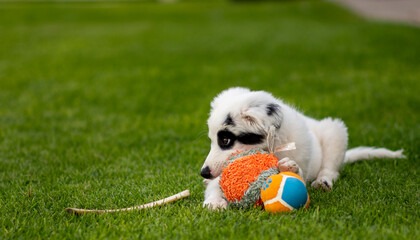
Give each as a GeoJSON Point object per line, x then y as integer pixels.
{"type": "Point", "coordinates": [237, 176]}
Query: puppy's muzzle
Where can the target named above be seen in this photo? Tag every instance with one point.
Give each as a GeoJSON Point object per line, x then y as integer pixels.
{"type": "Point", "coordinates": [206, 173]}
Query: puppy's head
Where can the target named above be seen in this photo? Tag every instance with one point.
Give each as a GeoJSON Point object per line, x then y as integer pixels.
{"type": "Point", "coordinates": [239, 120]}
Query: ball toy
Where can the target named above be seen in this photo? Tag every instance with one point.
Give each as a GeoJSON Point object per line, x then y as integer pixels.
{"type": "Point", "coordinates": [245, 174]}
{"type": "Point", "coordinates": [284, 192]}
{"type": "Point", "coordinates": [252, 177]}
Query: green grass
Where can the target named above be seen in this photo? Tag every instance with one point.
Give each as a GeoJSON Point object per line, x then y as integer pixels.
{"type": "Point", "coordinates": [104, 105]}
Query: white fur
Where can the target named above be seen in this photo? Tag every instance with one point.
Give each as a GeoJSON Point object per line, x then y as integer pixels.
{"type": "Point", "coordinates": [320, 144]}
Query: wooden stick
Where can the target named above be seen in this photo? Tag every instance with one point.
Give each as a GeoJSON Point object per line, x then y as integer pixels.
{"type": "Point", "coordinates": [173, 198]}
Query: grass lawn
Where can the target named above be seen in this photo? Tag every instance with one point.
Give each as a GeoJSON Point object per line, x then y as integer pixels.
{"type": "Point", "coordinates": [104, 105]}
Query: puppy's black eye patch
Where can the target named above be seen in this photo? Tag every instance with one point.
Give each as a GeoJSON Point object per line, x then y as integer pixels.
{"type": "Point", "coordinates": [225, 139]}
{"type": "Point", "coordinates": [250, 138]}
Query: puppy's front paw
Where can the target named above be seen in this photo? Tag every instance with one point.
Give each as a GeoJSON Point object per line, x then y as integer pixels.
{"type": "Point", "coordinates": [288, 165]}
{"type": "Point", "coordinates": [323, 183]}
{"type": "Point", "coordinates": [215, 203]}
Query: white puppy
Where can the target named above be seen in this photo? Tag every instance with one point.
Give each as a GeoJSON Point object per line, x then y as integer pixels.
{"type": "Point", "coordinates": [240, 119]}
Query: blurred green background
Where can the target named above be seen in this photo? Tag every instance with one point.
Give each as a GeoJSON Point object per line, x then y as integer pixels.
{"type": "Point", "coordinates": [104, 105]}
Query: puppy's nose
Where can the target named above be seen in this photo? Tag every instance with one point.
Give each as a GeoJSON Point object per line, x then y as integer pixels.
{"type": "Point", "coordinates": [205, 173]}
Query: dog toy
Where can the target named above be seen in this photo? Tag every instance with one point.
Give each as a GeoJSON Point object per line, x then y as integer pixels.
{"type": "Point", "coordinates": [172, 198]}
{"type": "Point", "coordinates": [245, 176]}
{"type": "Point", "coordinates": [284, 192]}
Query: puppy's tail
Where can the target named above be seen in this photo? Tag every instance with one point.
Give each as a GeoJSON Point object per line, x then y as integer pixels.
{"type": "Point", "coordinates": [367, 153]}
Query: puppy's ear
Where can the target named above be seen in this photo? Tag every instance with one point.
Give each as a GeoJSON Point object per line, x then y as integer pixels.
{"type": "Point", "coordinates": [253, 115]}
{"type": "Point", "coordinates": [274, 112]}
{"type": "Point", "coordinates": [263, 116]}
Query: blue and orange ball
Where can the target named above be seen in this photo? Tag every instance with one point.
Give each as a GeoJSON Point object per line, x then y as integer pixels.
{"type": "Point", "coordinates": [284, 192]}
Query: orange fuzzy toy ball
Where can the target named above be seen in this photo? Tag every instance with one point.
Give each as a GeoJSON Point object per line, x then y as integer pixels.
{"type": "Point", "coordinates": [245, 174]}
